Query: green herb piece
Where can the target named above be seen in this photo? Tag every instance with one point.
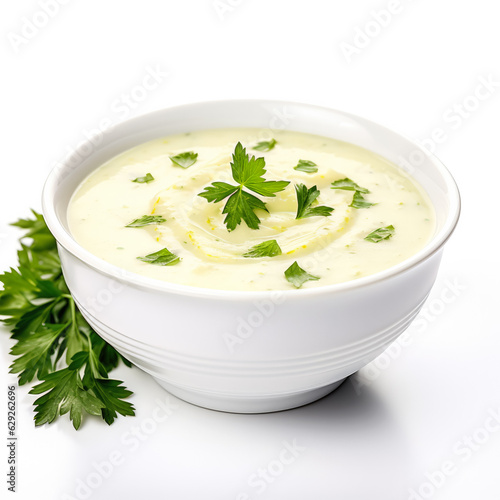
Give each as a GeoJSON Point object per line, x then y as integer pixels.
{"type": "Point", "coordinates": [161, 258]}
{"type": "Point", "coordinates": [146, 220]}
{"type": "Point", "coordinates": [50, 331]}
{"type": "Point", "coordinates": [217, 191]}
{"type": "Point", "coordinates": [265, 145]}
{"type": "Point", "coordinates": [359, 202]}
{"type": "Point", "coordinates": [144, 179]}
{"type": "Point", "coordinates": [241, 205]}
{"type": "Point", "coordinates": [34, 352]}
{"type": "Point", "coordinates": [38, 232]}
{"type": "Point", "coordinates": [382, 233]}
{"type": "Point", "coordinates": [306, 166]}
{"type": "Point", "coordinates": [297, 276]}
{"type": "Point", "coordinates": [348, 185]}
{"type": "Point", "coordinates": [305, 198]}
{"type": "Point", "coordinates": [185, 160]}
{"type": "Point", "coordinates": [64, 393]}
{"type": "Point", "coordinates": [265, 249]}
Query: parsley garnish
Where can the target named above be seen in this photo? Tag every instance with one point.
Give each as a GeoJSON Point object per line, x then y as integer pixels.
{"type": "Point", "coordinates": [306, 166]}
{"type": "Point", "coordinates": [265, 249]}
{"type": "Point", "coordinates": [358, 201]}
{"type": "Point", "coordinates": [382, 233]}
{"type": "Point", "coordinates": [185, 160]}
{"type": "Point", "coordinates": [248, 173]}
{"type": "Point", "coordinates": [265, 145]}
{"type": "Point", "coordinates": [146, 220]}
{"type": "Point", "coordinates": [49, 330]}
{"type": "Point", "coordinates": [348, 185]}
{"type": "Point", "coordinates": [305, 198]}
{"type": "Point", "coordinates": [163, 257]}
{"type": "Point", "coordinates": [144, 179]}
{"type": "Point", "coordinates": [297, 276]}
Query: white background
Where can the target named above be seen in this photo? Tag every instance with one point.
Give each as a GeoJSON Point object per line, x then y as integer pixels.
{"type": "Point", "coordinates": [426, 402]}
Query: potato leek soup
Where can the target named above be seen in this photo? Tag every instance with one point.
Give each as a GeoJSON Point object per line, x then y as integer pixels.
{"type": "Point", "coordinates": [234, 209]}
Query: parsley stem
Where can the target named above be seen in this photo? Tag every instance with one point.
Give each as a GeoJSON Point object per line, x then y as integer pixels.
{"type": "Point", "coordinates": [72, 309]}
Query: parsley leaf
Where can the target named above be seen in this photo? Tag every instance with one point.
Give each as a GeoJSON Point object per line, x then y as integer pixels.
{"type": "Point", "coordinates": [382, 233]}
{"type": "Point", "coordinates": [241, 205]}
{"type": "Point", "coordinates": [185, 160]}
{"type": "Point", "coordinates": [265, 145]}
{"type": "Point", "coordinates": [146, 220]}
{"type": "Point", "coordinates": [35, 353]}
{"type": "Point", "coordinates": [297, 276]}
{"type": "Point", "coordinates": [112, 393]}
{"type": "Point", "coordinates": [64, 393]}
{"type": "Point", "coordinates": [348, 185]}
{"type": "Point", "coordinates": [163, 257]}
{"type": "Point", "coordinates": [144, 179]}
{"type": "Point", "coordinates": [305, 198]}
{"type": "Point", "coordinates": [265, 249]}
{"type": "Point", "coordinates": [306, 166]}
{"type": "Point", "coordinates": [249, 173]}
{"type": "Point", "coordinates": [358, 201]}
{"type": "Point", "coordinates": [36, 229]}
{"type": "Point", "coordinates": [218, 191]}
{"type": "Point", "coordinates": [50, 331]}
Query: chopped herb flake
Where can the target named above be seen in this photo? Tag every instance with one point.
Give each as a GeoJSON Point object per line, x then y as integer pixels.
{"type": "Point", "coordinates": [382, 233]}
{"type": "Point", "coordinates": [359, 202]}
{"type": "Point", "coordinates": [185, 160]}
{"type": "Point", "coordinates": [163, 257]}
{"type": "Point", "coordinates": [348, 185]}
{"type": "Point", "coordinates": [265, 249]}
{"type": "Point", "coordinates": [145, 179]}
{"type": "Point", "coordinates": [146, 220]}
{"type": "Point", "coordinates": [265, 145]}
{"type": "Point", "coordinates": [297, 276]}
{"type": "Point", "coordinates": [305, 198]}
{"type": "Point", "coordinates": [306, 166]}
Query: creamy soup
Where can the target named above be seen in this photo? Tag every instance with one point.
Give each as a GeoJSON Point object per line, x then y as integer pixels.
{"type": "Point", "coordinates": [340, 213]}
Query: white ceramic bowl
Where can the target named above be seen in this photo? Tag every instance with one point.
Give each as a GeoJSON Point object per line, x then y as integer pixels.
{"type": "Point", "coordinates": [288, 348]}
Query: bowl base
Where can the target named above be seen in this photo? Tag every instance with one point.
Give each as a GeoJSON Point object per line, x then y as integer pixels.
{"type": "Point", "coordinates": [256, 404]}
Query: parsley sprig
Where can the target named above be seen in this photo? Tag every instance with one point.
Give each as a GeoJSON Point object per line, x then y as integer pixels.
{"type": "Point", "coordinates": [249, 173]}
{"type": "Point", "coordinates": [50, 331]}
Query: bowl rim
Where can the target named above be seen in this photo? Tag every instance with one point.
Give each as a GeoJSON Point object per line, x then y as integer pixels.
{"type": "Point", "coordinates": [66, 240]}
